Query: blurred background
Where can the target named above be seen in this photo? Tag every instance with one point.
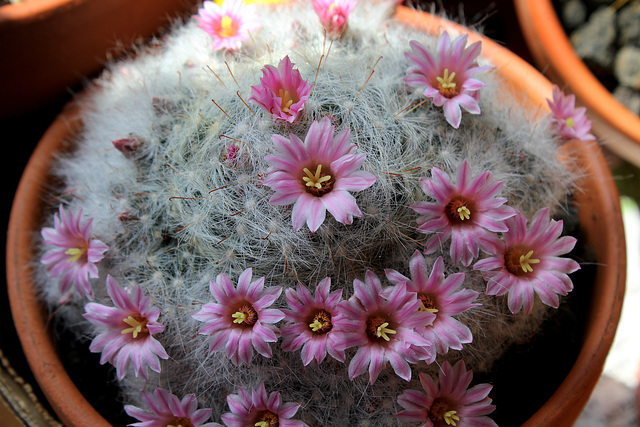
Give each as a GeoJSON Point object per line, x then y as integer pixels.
{"type": "Point", "coordinates": [613, 403]}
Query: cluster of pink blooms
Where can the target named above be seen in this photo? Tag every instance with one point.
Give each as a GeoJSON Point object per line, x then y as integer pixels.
{"type": "Point", "coordinates": [409, 321]}
{"type": "Point", "coordinates": [522, 261]}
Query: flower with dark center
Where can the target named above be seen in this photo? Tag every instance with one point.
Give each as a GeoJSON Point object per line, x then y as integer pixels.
{"type": "Point", "coordinates": [317, 175]}
{"type": "Point", "coordinates": [528, 262]}
{"type": "Point", "coordinates": [240, 320]}
{"type": "Point", "coordinates": [127, 330]}
{"type": "Point", "coordinates": [310, 321]}
{"type": "Point", "coordinates": [448, 401]}
{"type": "Point", "coordinates": [469, 212]}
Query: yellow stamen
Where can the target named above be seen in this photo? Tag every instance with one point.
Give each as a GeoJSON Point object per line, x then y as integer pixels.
{"type": "Point", "coordinates": [316, 325]}
{"type": "Point", "coordinates": [526, 261]}
{"type": "Point", "coordinates": [287, 100]}
{"type": "Point", "coordinates": [239, 317]}
{"type": "Point", "coordinates": [425, 308]}
{"type": "Point", "coordinates": [136, 326]}
{"type": "Point", "coordinates": [570, 122]}
{"type": "Point", "coordinates": [226, 27]}
{"type": "Point", "coordinates": [261, 424]}
{"type": "Point", "coordinates": [382, 331]}
{"type": "Point", "coordinates": [315, 180]}
{"type": "Point", "coordinates": [450, 418]}
{"type": "Point", "coordinates": [446, 81]}
{"type": "Point", "coordinates": [464, 213]}
{"type": "Point", "coordinates": [75, 253]}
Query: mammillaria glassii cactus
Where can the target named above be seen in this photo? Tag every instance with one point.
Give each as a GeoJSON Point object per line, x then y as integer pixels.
{"type": "Point", "coordinates": [310, 225]}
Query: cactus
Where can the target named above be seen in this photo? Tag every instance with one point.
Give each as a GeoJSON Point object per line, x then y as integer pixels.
{"type": "Point", "coordinates": [175, 167]}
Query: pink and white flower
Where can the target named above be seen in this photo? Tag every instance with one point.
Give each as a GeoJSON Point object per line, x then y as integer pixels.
{"type": "Point", "coordinates": [469, 212]}
{"type": "Point", "coordinates": [228, 24]}
{"type": "Point", "coordinates": [240, 320]}
{"type": "Point", "coordinates": [310, 322]}
{"type": "Point", "coordinates": [570, 122]}
{"type": "Point", "coordinates": [282, 92]}
{"type": "Point", "coordinates": [165, 409]}
{"type": "Point", "coordinates": [316, 175]}
{"type": "Point", "coordinates": [446, 77]}
{"type": "Point", "coordinates": [528, 262]}
{"type": "Point", "coordinates": [334, 15]}
{"type": "Point", "coordinates": [441, 296]}
{"type": "Point", "coordinates": [448, 401]}
{"type": "Point", "coordinates": [255, 408]}
{"type": "Point", "coordinates": [76, 255]}
{"type": "Point", "coordinates": [383, 329]}
{"type": "Point", "coordinates": [127, 330]}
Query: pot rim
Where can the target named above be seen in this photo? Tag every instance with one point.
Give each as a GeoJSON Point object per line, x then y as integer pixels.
{"type": "Point", "coordinates": [29, 9]}
{"type": "Point", "coordinates": [552, 51]}
{"type": "Point", "coordinates": [607, 239]}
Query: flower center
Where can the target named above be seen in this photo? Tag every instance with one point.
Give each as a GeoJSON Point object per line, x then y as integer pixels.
{"type": "Point", "coordinates": [77, 253]}
{"type": "Point", "coordinates": [267, 419]}
{"type": "Point", "coordinates": [138, 325]}
{"type": "Point", "coordinates": [321, 323]}
{"type": "Point", "coordinates": [246, 315]}
{"type": "Point", "coordinates": [378, 327]}
{"type": "Point", "coordinates": [427, 303]}
{"type": "Point", "coordinates": [458, 210]}
{"type": "Point", "coordinates": [440, 412]}
{"type": "Point", "coordinates": [227, 29]}
{"type": "Point", "coordinates": [446, 85]}
{"type": "Point", "coordinates": [319, 183]}
{"type": "Point", "coordinates": [180, 422]}
{"type": "Point", "coordinates": [519, 263]}
{"type": "Point", "coordinates": [570, 122]}
{"type": "Point", "coordinates": [287, 100]}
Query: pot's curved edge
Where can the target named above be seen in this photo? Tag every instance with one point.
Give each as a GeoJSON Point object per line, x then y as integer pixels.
{"type": "Point", "coordinates": [565, 405]}
{"type": "Point", "coordinates": [554, 54]}
{"type": "Point", "coordinates": [32, 10]}
{"type": "Point", "coordinates": [72, 40]}
{"type": "Point", "coordinates": [28, 312]}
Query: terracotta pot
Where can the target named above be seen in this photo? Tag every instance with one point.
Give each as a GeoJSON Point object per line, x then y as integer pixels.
{"type": "Point", "coordinates": [613, 123]}
{"type": "Point", "coordinates": [48, 46]}
{"type": "Point", "coordinates": [599, 215]}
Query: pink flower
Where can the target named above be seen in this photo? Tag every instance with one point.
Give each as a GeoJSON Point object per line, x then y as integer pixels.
{"type": "Point", "coordinates": [127, 330]}
{"type": "Point", "coordinates": [383, 328]}
{"type": "Point", "coordinates": [239, 321]}
{"type": "Point", "coordinates": [442, 296]}
{"type": "Point", "coordinates": [310, 324]}
{"type": "Point", "coordinates": [446, 77]}
{"type": "Point", "coordinates": [570, 122]}
{"type": "Point", "coordinates": [165, 409]}
{"type": "Point", "coordinates": [228, 24]}
{"type": "Point", "coordinates": [75, 256]}
{"type": "Point", "coordinates": [256, 408]}
{"type": "Point", "coordinates": [282, 92]}
{"type": "Point", "coordinates": [317, 175]}
{"type": "Point", "coordinates": [334, 14]}
{"type": "Point", "coordinates": [528, 262]}
{"type": "Point", "coordinates": [448, 401]}
{"type": "Point", "coordinates": [469, 212]}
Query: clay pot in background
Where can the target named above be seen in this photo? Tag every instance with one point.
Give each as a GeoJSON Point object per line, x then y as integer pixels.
{"type": "Point", "coordinates": [47, 46]}
{"type": "Point", "coordinates": [617, 127]}
{"type": "Point", "coordinates": [599, 215]}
